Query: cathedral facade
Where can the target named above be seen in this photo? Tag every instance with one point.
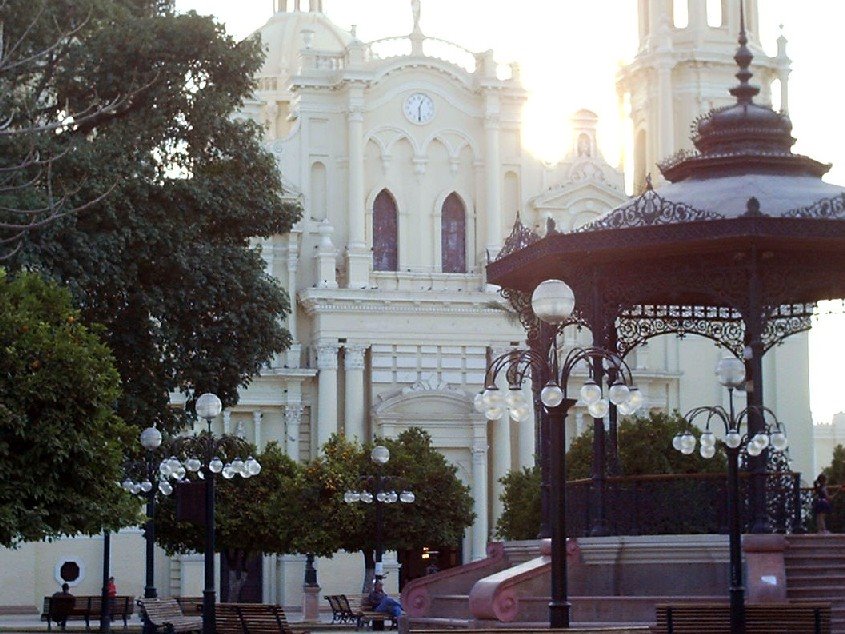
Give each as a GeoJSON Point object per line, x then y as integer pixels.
{"type": "Point", "coordinates": [406, 155]}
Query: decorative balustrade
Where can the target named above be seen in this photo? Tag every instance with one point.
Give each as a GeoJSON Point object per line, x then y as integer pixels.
{"type": "Point", "coordinates": [403, 46]}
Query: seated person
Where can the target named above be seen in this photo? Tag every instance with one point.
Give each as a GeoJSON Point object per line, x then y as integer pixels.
{"type": "Point", "coordinates": [380, 601]}
{"type": "Point", "coordinates": [62, 607]}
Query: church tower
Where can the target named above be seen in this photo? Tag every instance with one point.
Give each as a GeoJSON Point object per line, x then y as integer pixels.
{"type": "Point", "coordinates": [683, 68]}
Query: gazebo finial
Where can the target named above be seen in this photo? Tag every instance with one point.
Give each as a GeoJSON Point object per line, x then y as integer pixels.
{"type": "Point", "coordinates": [745, 92]}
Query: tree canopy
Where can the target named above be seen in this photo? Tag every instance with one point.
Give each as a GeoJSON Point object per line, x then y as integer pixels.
{"type": "Point", "coordinates": [61, 445]}
{"type": "Point", "coordinates": [174, 189]}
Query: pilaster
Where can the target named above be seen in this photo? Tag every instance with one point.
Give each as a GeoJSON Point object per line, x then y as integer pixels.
{"type": "Point", "coordinates": [354, 394]}
{"type": "Point", "coordinates": [326, 422]}
{"type": "Point", "coordinates": [481, 528]}
{"type": "Point", "coordinates": [293, 418]}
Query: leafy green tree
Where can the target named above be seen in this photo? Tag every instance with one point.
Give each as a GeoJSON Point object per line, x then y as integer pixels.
{"type": "Point", "coordinates": [521, 497]}
{"type": "Point", "coordinates": [61, 444]}
{"type": "Point", "coordinates": [438, 517]}
{"type": "Point", "coordinates": [835, 473]}
{"type": "Point", "coordinates": [176, 190]}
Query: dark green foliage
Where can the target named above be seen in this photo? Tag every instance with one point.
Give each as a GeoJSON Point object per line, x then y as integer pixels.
{"type": "Point", "coordinates": [521, 496]}
{"type": "Point", "coordinates": [163, 258]}
{"type": "Point", "coordinates": [61, 445]}
{"type": "Point", "coordinates": [835, 473]}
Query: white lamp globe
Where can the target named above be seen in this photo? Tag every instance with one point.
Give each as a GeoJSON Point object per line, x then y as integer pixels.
{"type": "Point", "coordinates": [165, 487]}
{"type": "Point", "coordinates": [380, 454]}
{"type": "Point", "coordinates": [553, 301]}
{"type": "Point", "coordinates": [150, 438]}
{"type": "Point", "coordinates": [687, 443]}
{"type": "Point", "coordinates": [494, 413]}
{"type": "Point", "coordinates": [635, 399]}
{"type": "Point", "coordinates": [350, 497]}
{"type": "Point", "coordinates": [367, 497]}
{"type": "Point", "coordinates": [618, 393]}
{"type": "Point", "coordinates": [626, 409]}
{"type": "Point", "coordinates": [590, 392]}
{"type": "Point", "coordinates": [514, 398]}
{"type": "Point", "coordinates": [708, 439]}
{"type": "Point", "coordinates": [733, 439]}
{"type": "Point", "coordinates": [216, 465]}
{"type": "Point", "coordinates": [676, 441]}
{"type": "Point", "coordinates": [492, 397]}
{"type": "Point", "coordinates": [707, 451]}
{"type": "Point", "coordinates": [754, 449]}
{"type": "Point", "coordinates": [598, 409]}
{"type": "Point", "coordinates": [519, 414]}
{"type": "Point", "coordinates": [731, 372]}
{"type": "Point", "coordinates": [779, 441]}
{"type": "Point", "coordinates": [407, 497]}
{"type": "Point", "coordinates": [551, 395]}
{"type": "Point", "coordinates": [761, 439]}
{"type": "Point", "coordinates": [208, 406]}
{"type": "Point", "coordinates": [478, 402]}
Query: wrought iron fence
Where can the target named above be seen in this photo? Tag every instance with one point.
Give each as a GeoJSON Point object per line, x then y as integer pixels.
{"type": "Point", "coordinates": [683, 504]}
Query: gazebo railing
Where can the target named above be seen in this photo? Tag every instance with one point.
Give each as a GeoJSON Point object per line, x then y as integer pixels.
{"type": "Point", "coordinates": [682, 504]}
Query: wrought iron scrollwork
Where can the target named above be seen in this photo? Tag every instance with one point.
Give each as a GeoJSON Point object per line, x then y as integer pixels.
{"type": "Point", "coordinates": [648, 209]}
{"type": "Point", "coordinates": [519, 238]}
{"type": "Point", "coordinates": [825, 209]}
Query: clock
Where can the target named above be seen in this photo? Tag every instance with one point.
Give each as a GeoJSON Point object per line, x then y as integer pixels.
{"type": "Point", "coordinates": [419, 108]}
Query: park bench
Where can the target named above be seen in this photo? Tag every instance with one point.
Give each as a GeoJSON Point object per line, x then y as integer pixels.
{"type": "Point", "coordinates": [190, 606]}
{"type": "Point", "coordinates": [61, 609]}
{"type": "Point", "coordinates": [251, 618]}
{"type": "Point", "coordinates": [167, 616]}
{"type": "Point", "coordinates": [360, 612]}
{"type": "Point", "coordinates": [340, 614]}
{"type": "Point", "coordinates": [765, 618]}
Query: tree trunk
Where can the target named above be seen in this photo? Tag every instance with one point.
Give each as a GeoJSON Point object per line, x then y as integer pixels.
{"type": "Point", "coordinates": [369, 571]}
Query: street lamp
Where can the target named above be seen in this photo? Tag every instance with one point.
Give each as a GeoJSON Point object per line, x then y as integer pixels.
{"type": "Point", "coordinates": [731, 374]}
{"type": "Point", "coordinates": [381, 494]}
{"type": "Point", "coordinates": [553, 302]}
{"type": "Point", "coordinates": [155, 481]}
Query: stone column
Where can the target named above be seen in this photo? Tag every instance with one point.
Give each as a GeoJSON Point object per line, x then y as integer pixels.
{"type": "Point", "coordinates": [293, 417]}
{"type": "Point", "coordinates": [500, 440]}
{"type": "Point", "coordinates": [354, 395]}
{"type": "Point", "coordinates": [357, 254]}
{"type": "Point", "coordinates": [327, 394]}
{"type": "Point", "coordinates": [481, 528]}
{"type": "Point", "coordinates": [293, 354]}
{"type": "Point", "coordinates": [492, 160]}
{"type": "Point", "coordinates": [666, 126]}
{"type": "Point", "coordinates": [256, 428]}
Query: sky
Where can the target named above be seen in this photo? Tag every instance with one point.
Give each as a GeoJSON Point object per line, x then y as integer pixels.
{"type": "Point", "coordinates": [569, 52]}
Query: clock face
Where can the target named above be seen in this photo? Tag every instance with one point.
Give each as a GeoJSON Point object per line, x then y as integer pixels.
{"type": "Point", "coordinates": [419, 108]}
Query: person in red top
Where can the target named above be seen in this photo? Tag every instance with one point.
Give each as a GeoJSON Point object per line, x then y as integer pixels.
{"type": "Point", "coordinates": [112, 589]}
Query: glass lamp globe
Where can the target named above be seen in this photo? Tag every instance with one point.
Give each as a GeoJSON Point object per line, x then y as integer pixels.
{"type": "Point", "coordinates": [676, 441]}
{"type": "Point", "coordinates": [478, 402]}
{"type": "Point", "coordinates": [598, 409]}
{"type": "Point", "coordinates": [514, 398]}
{"type": "Point", "coordinates": [165, 487]}
{"type": "Point", "coordinates": [731, 372]}
{"type": "Point", "coordinates": [635, 398]}
{"type": "Point", "coordinates": [380, 454]}
{"type": "Point", "coordinates": [753, 449]}
{"type": "Point", "coordinates": [519, 414]}
{"type": "Point", "coordinates": [216, 465]}
{"type": "Point", "coordinates": [150, 438]}
{"type": "Point", "coordinates": [193, 465]}
{"type": "Point", "coordinates": [761, 439]}
{"type": "Point", "coordinates": [492, 397]}
{"type": "Point", "coordinates": [553, 301]}
{"type": "Point", "coordinates": [252, 465]}
{"type": "Point", "coordinates": [551, 395]}
{"type": "Point", "coordinates": [381, 496]}
{"type": "Point", "coordinates": [733, 439]}
{"type": "Point", "coordinates": [779, 441]}
{"type": "Point", "coordinates": [164, 469]}
{"type": "Point", "coordinates": [238, 466]}
{"type": "Point", "coordinates": [350, 497]}
{"type": "Point", "coordinates": [135, 489]}
{"type": "Point", "coordinates": [590, 392]}
{"type": "Point", "coordinates": [208, 406]}
{"type": "Point", "coordinates": [687, 443]}
{"type": "Point", "coordinates": [392, 497]}
{"type": "Point", "coordinates": [619, 393]}
{"type": "Point", "coordinates": [707, 451]}
{"type": "Point", "coordinates": [708, 439]}
{"type": "Point", "coordinates": [407, 497]}
{"type": "Point", "coordinates": [146, 486]}
{"type": "Point", "coordinates": [494, 413]}
{"type": "Point", "coordinates": [228, 472]}
{"type": "Point", "coordinates": [366, 497]}
{"type": "Point", "coordinates": [127, 485]}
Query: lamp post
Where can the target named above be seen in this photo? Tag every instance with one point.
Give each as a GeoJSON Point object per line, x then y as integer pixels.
{"type": "Point", "coordinates": [381, 495]}
{"type": "Point", "coordinates": [731, 374]}
{"type": "Point", "coordinates": [154, 482]}
{"type": "Point", "coordinates": [553, 302]}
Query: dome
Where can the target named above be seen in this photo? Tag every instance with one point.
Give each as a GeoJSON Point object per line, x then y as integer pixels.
{"type": "Point", "coordinates": [282, 39]}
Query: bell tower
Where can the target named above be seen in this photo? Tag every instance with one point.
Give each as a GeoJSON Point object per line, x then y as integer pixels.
{"type": "Point", "coordinates": [683, 68]}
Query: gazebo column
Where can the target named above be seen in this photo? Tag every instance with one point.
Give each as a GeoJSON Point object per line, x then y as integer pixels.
{"type": "Point", "coordinates": [754, 325]}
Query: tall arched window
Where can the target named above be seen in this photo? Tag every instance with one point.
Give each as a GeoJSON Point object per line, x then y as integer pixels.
{"type": "Point", "coordinates": [385, 233]}
{"type": "Point", "coordinates": [453, 241]}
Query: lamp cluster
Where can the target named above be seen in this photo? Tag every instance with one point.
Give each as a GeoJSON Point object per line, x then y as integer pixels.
{"type": "Point", "coordinates": [385, 497]}
{"type": "Point", "coordinates": [493, 405]}
{"type": "Point", "coordinates": [775, 438]}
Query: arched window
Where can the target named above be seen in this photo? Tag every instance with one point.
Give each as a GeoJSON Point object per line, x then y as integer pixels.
{"type": "Point", "coordinates": [385, 233]}
{"type": "Point", "coordinates": [680, 14]}
{"type": "Point", "coordinates": [453, 241]}
{"type": "Point", "coordinates": [714, 13]}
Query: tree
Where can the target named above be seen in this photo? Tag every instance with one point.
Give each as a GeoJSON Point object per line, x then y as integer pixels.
{"type": "Point", "coordinates": [61, 444]}
{"type": "Point", "coordinates": [262, 514]}
{"type": "Point", "coordinates": [645, 447]}
{"type": "Point", "coordinates": [164, 261]}
{"type": "Point", "coordinates": [835, 473]}
{"type": "Point", "coordinates": [438, 517]}
{"type": "Point", "coordinates": [520, 518]}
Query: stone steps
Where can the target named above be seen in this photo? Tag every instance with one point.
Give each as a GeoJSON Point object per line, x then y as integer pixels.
{"type": "Point", "coordinates": [815, 571]}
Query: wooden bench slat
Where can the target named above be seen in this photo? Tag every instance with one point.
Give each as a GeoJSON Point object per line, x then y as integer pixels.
{"type": "Point", "coordinates": [691, 618]}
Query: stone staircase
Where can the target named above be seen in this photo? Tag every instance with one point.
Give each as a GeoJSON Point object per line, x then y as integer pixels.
{"type": "Point", "coordinates": [815, 571]}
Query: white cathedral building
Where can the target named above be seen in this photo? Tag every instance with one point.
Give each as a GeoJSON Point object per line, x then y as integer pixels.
{"type": "Point", "coordinates": [406, 155]}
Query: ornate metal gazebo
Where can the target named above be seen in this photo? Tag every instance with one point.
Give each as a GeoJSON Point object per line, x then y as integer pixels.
{"type": "Point", "coordinates": [738, 246]}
